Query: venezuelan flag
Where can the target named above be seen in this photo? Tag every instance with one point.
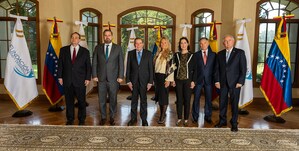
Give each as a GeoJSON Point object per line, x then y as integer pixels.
{"type": "Point", "coordinates": [213, 45]}
{"type": "Point", "coordinates": [159, 36]}
{"type": "Point", "coordinates": [51, 86]}
{"type": "Point", "coordinates": [276, 83]}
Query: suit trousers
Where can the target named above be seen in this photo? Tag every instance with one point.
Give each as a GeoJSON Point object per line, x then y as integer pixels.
{"type": "Point", "coordinates": [234, 98]}
{"type": "Point", "coordinates": [183, 94]}
{"type": "Point", "coordinates": [208, 101]}
{"type": "Point", "coordinates": [139, 90]}
{"type": "Point", "coordinates": [70, 93]}
{"type": "Point", "coordinates": [110, 88]}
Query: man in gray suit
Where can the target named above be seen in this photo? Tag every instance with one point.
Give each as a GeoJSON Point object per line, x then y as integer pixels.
{"type": "Point", "coordinates": [108, 71]}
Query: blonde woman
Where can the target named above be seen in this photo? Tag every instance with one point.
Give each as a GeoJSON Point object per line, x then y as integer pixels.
{"type": "Point", "coordinates": [164, 75]}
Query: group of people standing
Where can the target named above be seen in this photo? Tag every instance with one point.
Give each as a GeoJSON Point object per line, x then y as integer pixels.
{"type": "Point", "coordinates": [184, 70]}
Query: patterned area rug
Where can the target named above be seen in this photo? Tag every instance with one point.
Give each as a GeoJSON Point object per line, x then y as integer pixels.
{"type": "Point", "coordinates": [28, 137]}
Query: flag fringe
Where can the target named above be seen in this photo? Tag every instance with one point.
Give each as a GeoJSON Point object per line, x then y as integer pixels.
{"type": "Point", "coordinates": [267, 99]}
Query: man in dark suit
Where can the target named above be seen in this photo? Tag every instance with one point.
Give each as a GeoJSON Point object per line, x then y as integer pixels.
{"type": "Point", "coordinates": [231, 64]}
{"type": "Point", "coordinates": [206, 72]}
{"type": "Point", "coordinates": [139, 77]}
{"type": "Point", "coordinates": [108, 71]}
{"type": "Point", "coordinates": [74, 72]}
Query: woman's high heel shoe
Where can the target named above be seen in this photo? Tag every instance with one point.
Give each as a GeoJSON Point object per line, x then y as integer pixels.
{"type": "Point", "coordinates": [179, 121]}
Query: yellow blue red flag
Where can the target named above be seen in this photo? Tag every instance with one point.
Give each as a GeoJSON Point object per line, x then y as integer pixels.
{"type": "Point", "coordinates": [276, 83]}
{"type": "Point", "coordinates": [51, 86]}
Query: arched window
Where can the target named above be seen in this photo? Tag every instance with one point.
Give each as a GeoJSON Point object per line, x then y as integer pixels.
{"type": "Point", "coordinates": [94, 29]}
{"type": "Point", "coordinates": [200, 27]}
{"type": "Point", "coordinates": [27, 8]}
{"type": "Point", "coordinates": [145, 18]}
{"type": "Point", "coordinates": [265, 32]}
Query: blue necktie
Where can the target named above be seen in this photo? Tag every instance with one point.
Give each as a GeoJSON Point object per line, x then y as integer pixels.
{"type": "Point", "coordinates": [227, 56]}
{"type": "Point", "coordinates": [138, 57]}
{"type": "Point", "coordinates": [107, 52]}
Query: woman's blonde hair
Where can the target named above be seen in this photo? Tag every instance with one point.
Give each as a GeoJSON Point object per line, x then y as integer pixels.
{"type": "Point", "coordinates": [165, 52]}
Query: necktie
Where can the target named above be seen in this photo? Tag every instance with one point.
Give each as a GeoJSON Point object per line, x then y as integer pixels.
{"type": "Point", "coordinates": [204, 57]}
{"type": "Point", "coordinates": [227, 55]}
{"type": "Point", "coordinates": [74, 56]}
{"type": "Point", "coordinates": [107, 52]}
{"type": "Point", "coordinates": [138, 57]}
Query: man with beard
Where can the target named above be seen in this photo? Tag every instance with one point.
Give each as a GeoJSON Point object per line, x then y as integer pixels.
{"type": "Point", "coordinates": [108, 71]}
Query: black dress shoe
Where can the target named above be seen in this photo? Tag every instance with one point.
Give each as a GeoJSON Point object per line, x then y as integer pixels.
{"type": "Point", "coordinates": [132, 122]}
{"type": "Point", "coordinates": [81, 123]}
{"type": "Point", "coordinates": [112, 122]}
{"type": "Point", "coordinates": [194, 120]}
{"type": "Point", "coordinates": [103, 121]}
{"type": "Point", "coordinates": [234, 128]}
{"type": "Point", "coordinates": [219, 125]}
{"type": "Point", "coordinates": [144, 123]}
{"type": "Point", "coordinates": [69, 123]}
{"type": "Point", "coordinates": [208, 120]}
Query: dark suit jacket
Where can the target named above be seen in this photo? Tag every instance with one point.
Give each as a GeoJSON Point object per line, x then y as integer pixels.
{"type": "Point", "coordinates": [142, 73]}
{"type": "Point", "coordinates": [75, 73]}
{"type": "Point", "coordinates": [192, 72]}
{"type": "Point", "coordinates": [234, 71]}
{"type": "Point", "coordinates": [206, 73]}
{"type": "Point", "coordinates": [110, 69]}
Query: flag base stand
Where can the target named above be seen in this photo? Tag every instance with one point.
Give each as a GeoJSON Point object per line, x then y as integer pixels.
{"type": "Point", "coordinates": [22, 113]}
{"type": "Point", "coordinates": [273, 118]}
{"type": "Point", "coordinates": [129, 97]}
{"type": "Point", "coordinates": [56, 108]}
{"type": "Point", "coordinates": [243, 112]}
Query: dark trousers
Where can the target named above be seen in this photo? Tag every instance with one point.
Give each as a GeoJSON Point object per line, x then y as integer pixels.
{"type": "Point", "coordinates": [139, 90]}
{"type": "Point", "coordinates": [208, 101]}
{"type": "Point", "coordinates": [70, 93]}
{"type": "Point", "coordinates": [161, 93]}
{"type": "Point", "coordinates": [234, 98]}
{"type": "Point", "coordinates": [110, 88]}
{"type": "Point", "coordinates": [183, 94]}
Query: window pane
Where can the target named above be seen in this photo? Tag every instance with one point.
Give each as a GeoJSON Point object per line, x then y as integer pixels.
{"type": "Point", "coordinates": [84, 18]}
{"type": "Point", "coordinates": [89, 33]}
{"type": "Point", "coordinates": [3, 49]}
{"type": "Point", "coordinates": [95, 20]}
{"type": "Point", "coordinates": [263, 32]}
{"type": "Point", "coordinates": [146, 17]}
{"type": "Point", "coordinates": [259, 71]}
{"type": "Point", "coordinates": [261, 52]}
{"type": "Point", "coordinates": [95, 33]}
{"type": "Point", "coordinates": [204, 17]}
{"type": "Point", "coordinates": [125, 35]}
{"type": "Point", "coordinates": [168, 33]}
{"type": "Point", "coordinates": [3, 31]}
{"type": "Point", "coordinates": [271, 32]}
{"type": "Point", "coordinates": [293, 48]}
{"type": "Point", "coordinates": [3, 65]}
{"type": "Point", "coordinates": [152, 36]}
{"type": "Point", "coordinates": [293, 34]}
{"type": "Point", "coordinates": [2, 12]}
